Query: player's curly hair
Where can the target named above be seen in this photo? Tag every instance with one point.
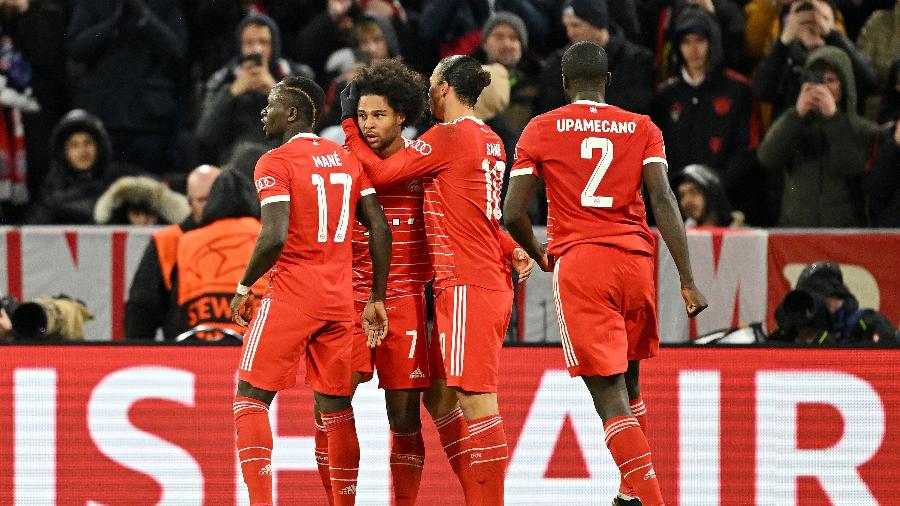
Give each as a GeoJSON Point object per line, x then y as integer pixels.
{"type": "Point", "coordinates": [402, 87]}
{"type": "Point", "coordinates": [304, 94]}
{"type": "Point", "coordinates": [466, 76]}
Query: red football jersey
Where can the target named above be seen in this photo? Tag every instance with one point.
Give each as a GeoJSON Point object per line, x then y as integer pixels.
{"type": "Point", "coordinates": [323, 183]}
{"type": "Point", "coordinates": [410, 263]}
{"type": "Point", "coordinates": [462, 163]}
{"type": "Point", "coordinates": [592, 156]}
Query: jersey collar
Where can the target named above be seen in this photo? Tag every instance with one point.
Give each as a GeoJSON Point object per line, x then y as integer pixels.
{"type": "Point", "coordinates": [304, 135]}
{"type": "Point", "coordinates": [457, 120]}
{"type": "Point", "coordinates": [590, 102]}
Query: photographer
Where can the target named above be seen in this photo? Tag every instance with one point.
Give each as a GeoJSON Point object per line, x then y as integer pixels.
{"type": "Point", "coordinates": [236, 93]}
{"type": "Point", "coordinates": [820, 147]}
{"type": "Point", "coordinates": [809, 25]}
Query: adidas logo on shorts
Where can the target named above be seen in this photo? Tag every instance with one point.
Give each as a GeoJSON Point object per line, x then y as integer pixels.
{"type": "Point", "coordinates": [650, 474]}
{"type": "Point", "coordinates": [416, 374]}
{"type": "Point", "coordinates": [348, 490]}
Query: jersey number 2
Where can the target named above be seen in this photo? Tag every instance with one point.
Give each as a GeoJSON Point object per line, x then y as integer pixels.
{"type": "Point", "coordinates": [588, 145]}
{"type": "Point", "coordinates": [334, 178]}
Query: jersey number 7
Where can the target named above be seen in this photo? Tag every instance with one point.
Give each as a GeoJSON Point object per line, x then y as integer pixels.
{"type": "Point", "coordinates": [319, 182]}
{"type": "Point", "coordinates": [588, 145]}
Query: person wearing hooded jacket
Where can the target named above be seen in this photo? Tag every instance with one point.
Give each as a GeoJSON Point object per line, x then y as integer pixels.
{"type": "Point", "coordinates": [236, 93]}
{"type": "Point", "coordinates": [706, 112]}
{"type": "Point", "coordinates": [702, 199]}
{"type": "Point", "coordinates": [820, 147]}
{"type": "Point", "coordinates": [80, 171]}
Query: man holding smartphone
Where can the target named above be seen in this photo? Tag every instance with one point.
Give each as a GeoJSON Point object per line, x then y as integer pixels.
{"type": "Point", "coordinates": [235, 93]}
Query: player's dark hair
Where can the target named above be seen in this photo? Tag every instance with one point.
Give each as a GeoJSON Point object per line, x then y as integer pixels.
{"type": "Point", "coordinates": [585, 63]}
{"type": "Point", "coordinates": [402, 87]}
{"type": "Point", "coordinates": [304, 94]}
{"type": "Point", "coordinates": [466, 76]}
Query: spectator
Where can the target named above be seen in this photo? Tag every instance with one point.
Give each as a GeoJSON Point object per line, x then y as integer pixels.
{"type": "Point", "coordinates": [132, 54]}
{"type": "Point", "coordinates": [705, 111]}
{"type": "Point", "coordinates": [702, 199]}
{"type": "Point", "coordinates": [879, 39]}
{"type": "Point", "coordinates": [326, 33]}
{"type": "Point", "coordinates": [504, 40]}
{"type": "Point", "coordinates": [882, 184]}
{"type": "Point", "coordinates": [820, 146]}
{"type": "Point", "coordinates": [455, 25]}
{"type": "Point", "coordinates": [809, 25]}
{"type": "Point", "coordinates": [890, 103]}
{"type": "Point", "coordinates": [80, 172]}
{"type": "Point", "coordinates": [150, 304]}
{"type": "Point", "coordinates": [211, 258]}
{"type": "Point", "coordinates": [726, 14]}
{"type": "Point", "coordinates": [237, 92]}
{"type": "Point", "coordinates": [244, 157]}
{"type": "Point", "coordinates": [765, 19]}
{"type": "Point", "coordinates": [37, 30]}
{"type": "Point", "coordinates": [631, 65]}
{"type": "Point", "coordinates": [139, 200]}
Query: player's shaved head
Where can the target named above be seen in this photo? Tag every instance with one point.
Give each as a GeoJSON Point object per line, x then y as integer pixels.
{"type": "Point", "coordinates": [304, 95]}
{"type": "Point", "coordinates": [585, 67]}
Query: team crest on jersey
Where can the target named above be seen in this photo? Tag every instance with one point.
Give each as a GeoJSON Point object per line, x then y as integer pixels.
{"type": "Point", "coordinates": [415, 186]}
{"type": "Point", "coordinates": [675, 111]}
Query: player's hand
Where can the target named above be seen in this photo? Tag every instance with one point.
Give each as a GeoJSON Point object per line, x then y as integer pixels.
{"type": "Point", "coordinates": [375, 323]}
{"type": "Point", "coordinates": [694, 301]}
{"type": "Point", "coordinates": [544, 259]}
{"type": "Point", "coordinates": [242, 308]}
{"type": "Point", "coordinates": [522, 263]}
{"type": "Point", "coordinates": [349, 100]}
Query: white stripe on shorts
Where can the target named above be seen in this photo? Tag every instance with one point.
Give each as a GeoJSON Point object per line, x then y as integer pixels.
{"type": "Point", "coordinates": [568, 350]}
{"type": "Point", "coordinates": [458, 334]}
{"type": "Point", "coordinates": [253, 338]}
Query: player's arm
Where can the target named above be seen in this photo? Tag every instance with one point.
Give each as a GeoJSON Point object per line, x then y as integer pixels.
{"type": "Point", "coordinates": [371, 215]}
{"type": "Point", "coordinates": [515, 217]}
{"type": "Point", "coordinates": [423, 157]}
{"type": "Point", "coordinates": [275, 217]}
{"type": "Point", "coordinates": [668, 221]}
{"type": "Point", "coordinates": [521, 262]}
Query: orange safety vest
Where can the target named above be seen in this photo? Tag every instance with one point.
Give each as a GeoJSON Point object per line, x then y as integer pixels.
{"type": "Point", "coordinates": [166, 240]}
{"type": "Point", "coordinates": [210, 262]}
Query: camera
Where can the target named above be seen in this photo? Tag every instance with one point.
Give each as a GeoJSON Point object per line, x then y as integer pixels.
{"type": "Point", "coordinates": [47, 318]}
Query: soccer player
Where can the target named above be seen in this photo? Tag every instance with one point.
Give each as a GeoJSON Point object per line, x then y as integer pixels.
{"type": "Point", "coordinates": [311, 190]}
{"type": "Point", "coordinates": [461, 164]}
{"type": "Point", "coordinates": [593, 158]}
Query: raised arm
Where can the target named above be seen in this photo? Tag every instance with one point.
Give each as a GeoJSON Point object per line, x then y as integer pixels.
{"type": "Point", "coordinates": [422, 157]}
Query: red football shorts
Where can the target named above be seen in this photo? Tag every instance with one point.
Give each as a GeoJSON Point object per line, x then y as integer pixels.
{"type": "Point", "coordinates": [470, 323]}
{"type": "Point", "coordinates": [402, 357]}
{"type": "Point", "coordinates": [606, 309]}
{"type": "Point", "coordinates": [280, 337]}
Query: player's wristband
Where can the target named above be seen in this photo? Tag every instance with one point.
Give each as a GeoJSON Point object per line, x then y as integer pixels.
{"type": "Point", "coordinates": [242, 290]}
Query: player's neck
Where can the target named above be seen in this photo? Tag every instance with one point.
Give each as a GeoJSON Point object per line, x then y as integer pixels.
{"type": "Point", "coordinates": [593, 96]}
{"type": "Point", "coordinates": [293, 131]}
{"type": "Point", "coordinates": [396, 145]}
{"type": "Point", "coordinates": [453, 112]}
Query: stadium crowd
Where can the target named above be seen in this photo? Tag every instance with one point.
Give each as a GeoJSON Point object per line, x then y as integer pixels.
{"type": "Point", "coordinates": [775, 112]}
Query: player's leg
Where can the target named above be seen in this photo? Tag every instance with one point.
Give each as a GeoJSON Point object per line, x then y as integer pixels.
{"type": "Point", "coordinates": [254, 440]}
{"type": "Point", "coordinates": [627, 496]}
{"type": "Point", "coordinates": [329, 356]}
{"type": "Point", "coordinates": [407, 445]}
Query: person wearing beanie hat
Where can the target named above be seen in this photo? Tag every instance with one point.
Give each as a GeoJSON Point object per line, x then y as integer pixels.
{"type": "Point", "coordinates": [630, 64]}
{"type": "Point", "coordinates": [706, 111]}
{"type": "Point", "coordinates": [504, 38]}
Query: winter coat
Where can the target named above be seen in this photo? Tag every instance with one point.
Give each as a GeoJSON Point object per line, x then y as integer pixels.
{"type": "Point", "coordinates": [632, 77]}
{"type": "Point", "coordinates": [140, 193]}
{"type": "Point", "coordinates": [882, 185]}
{"type": "Point", "coordinates": [822, 159]}
{"type": "Point", "coordinates": [716, 202]}
{"type": "Point", "coordinates": [226, 119]}
{"type": "Point", "coordinates": [68, 195]}
{"type": "Point", "coordinates": [879, 39]}
{"type": "Point", "coordinates": [709, 124]}
{"type": "Point", "coordinates": [525, 88]}
{"type": "Point", "coordinates": [132, 62]}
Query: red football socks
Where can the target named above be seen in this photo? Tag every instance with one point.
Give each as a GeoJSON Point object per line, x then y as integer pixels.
{"type": "Point", "coordinates": [454, 434]}
{"type": "Point", "coordinates": [631, 452]}
{"type": "Point", "coordinates": [407, 460]}
{"type": "Point", "coordinates": [639, 411]}
{"type": "Point", "coordinates": [488, 456]}
{"type": "Point", "coordinates": [254, 448]}
{"type": "Point", "coordinates": [343, 455]}
{"type": "Point", "coordinates": [322, 460]}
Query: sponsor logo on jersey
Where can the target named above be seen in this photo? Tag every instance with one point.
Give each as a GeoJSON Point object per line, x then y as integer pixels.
{"type": "Point", "coordinates": [348, 490]}
{"type": "Point", "coordinates": [264, 182]}
{"type": "Point", "coordinates": [416, 374]}
{"type": "Point", "coordinates": [421, 147]}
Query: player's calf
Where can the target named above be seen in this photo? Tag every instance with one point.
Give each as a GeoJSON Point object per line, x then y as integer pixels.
{"type": "Point", "coordinates": [343, 446]}
{"type": "Point", "coordinates": [407, 445]}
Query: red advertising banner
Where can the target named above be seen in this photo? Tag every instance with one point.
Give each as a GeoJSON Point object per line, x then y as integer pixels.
{"type": "Point", "coordinates": [129, 425]}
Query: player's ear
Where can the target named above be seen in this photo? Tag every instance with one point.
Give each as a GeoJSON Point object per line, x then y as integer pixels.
{"type": "Point", "coordinates": [293, 114]}
{"type": "Point", "coordinates": [565, 84]}
{"type": "Point", "coordinates": [401, 118]}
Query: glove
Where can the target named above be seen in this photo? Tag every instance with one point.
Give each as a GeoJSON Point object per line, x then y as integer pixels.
{"type": "Point", "coordinates": [349, 100]}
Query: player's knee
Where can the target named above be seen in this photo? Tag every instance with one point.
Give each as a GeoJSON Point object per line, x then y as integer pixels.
{"type": "Point", "coordinates": [332, 403]}
{"type": "Point", "coordinates": [404, 421]}
{"type": "Point", "coordinates": [245, 389]}
{"type": "Point", "coordinates": [439, 401]}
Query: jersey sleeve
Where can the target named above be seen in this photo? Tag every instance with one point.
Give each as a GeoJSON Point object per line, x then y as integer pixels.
{"type": "Point", "coordinates": [365, 184]}
{"type": "Point", "coordinates": [272, 180]}
{"type": "Point", "coordinates": [507, 244]}
{"type": "Point", "coordinates": [655, 150]}
{"type": "Point", "coordinates": [527, 159]}
{"type": "Point", "coordinates": [424, 156]}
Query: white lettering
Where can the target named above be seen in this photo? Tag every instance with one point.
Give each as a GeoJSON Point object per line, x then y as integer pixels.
{"type": "Point", "coordinates": [699, 407]}
{"type": "Point", "coordinates": [328, 161]}
{"type": "Point", "coordinates": [595, 125]}
{"type": "Point", "coordinates": [34, 415]}
{"type": "Point", "coordinates": [494, 150]}
{"type": "Point", "coordinates": [778, 460]}
{"type": "Point", "coordinates": [177, 473]}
